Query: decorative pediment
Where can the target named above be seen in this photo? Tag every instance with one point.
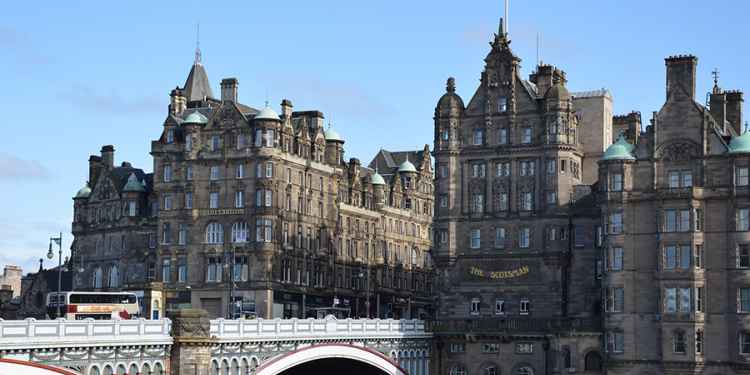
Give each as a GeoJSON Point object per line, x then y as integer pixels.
{"type": "Point", "coordinates": [679, 150]}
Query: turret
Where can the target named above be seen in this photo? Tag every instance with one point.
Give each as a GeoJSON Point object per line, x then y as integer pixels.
{"type": "Point", "coordinates": [266, 126]}
{"type": "Point", "coordinates": [448, 114]}
{"type": "Point", "coordinates": [334, 147]}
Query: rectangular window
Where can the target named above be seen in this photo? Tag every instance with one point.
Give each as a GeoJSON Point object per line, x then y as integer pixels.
{"type": "Point", "coordinates": [741, 176]}
{"type": "Point", "coordinates": [239, 199]}
{"type": "Point", "coordinates": [269, 170]}
{"type": "Point", "coordinates": [527, 201]}
{"type": "Point", "coordinates": [615, 342]}
{"type": "Point", "coordinates": [615, 299]}
{"type": "Point", "coordinates": [167, 201]}
{"type": "Point", "coordinates": [239, 171]}
{"type": "Point", "coordinates": [167, 173]}
{"type": "Point", "coordinates": [523, 238]}
{"type": "Point", "coordinates": [677, 300]}
{"type": "Point", "coordinates": [743, 256]}
{"type": "Point", "coordinates": [443, 201]}
{"type": "Point", "coordinates": [189, 173]}
{"type": "Point", "coordinates": [188, 142]}
{"type": "Point", "coordinates": [240, 269]}
{"type": "Point", "coordinates": [263, 230]}
{"type": "Point", "coordinates": [685, 305]}
{"type": "Point", "coordinates": [188, 200]}
{"type": "Point", "coordinates": [698, 218]}
{"type": "Point", "coordinates": [698, 258]}
{"type": "Point", "coordinates": [616, 259]}
{"type": "Point", "coordinates": [443, 171]}
{"type": "Point", "coordinates": [743, 219]}
{"type": "Point", "coordinates": [475, 305]}
{"type": "Point", "coordinates": [213, 269]}
{"type": "Point", "coordinates": [698, 342]}
{"type": "Point", "coordinates": [477, 203]}
{"type": "Point", "coordinates": [579, 236]}
{"type": "Point", "coordinates": [215, 143]}
{"type": "Point", "coordinates": [744, 343]}
{"type": "Point", "coordinates": [524, 306]}
{"type": "Point", "coordinates": [499, 307]}
{"type": "Point", "coordinates": [478, 170]}
{"type": "Point", "coordinates": [525, 348]}
{"type": "Point", "coordinates": [670, 300]}
{"type": "Point", "coordinates": [166, 234]}
{"type": "Point", "coordinates": [166, 270]}
{"type": "Point", "coordinates": [503, 136]}
{"type": "Point", "coordinates": [551, 167]}
{"type": "Point", "coordinates": [502, 104]}
{"type": "Point", "coordinates": [213, 199]}
{"type": "Point", "coordinates": [182, 234]}
{"type": "Point", "coordinates": [488, 347]}
{"type": "Point", "coordinates": [526, 135]}
{"type": "Point", "coordinates": [182, 270]}
{"type": "Point", "coordinates": [527, 168]}
{"type": "Point", "coordinates": [615, 223]}
{"type": "Point", "coordinates": [499, 238]}
{"type": "Point", "coordinates": [215, 173]}
{"type": "Point", "coordinates": [132, 208]}
{"type": "Point", "coordinates": [478, 137]}
{"type": "Point", "coordinates": [503, 201]}
{"type": "Point", "coordinates": [616, 182]}
{"type": "Point", "coordinates": [503, 169]}
{"type": "Point", "coordinates": [700, 299]}
{"type": "Point", "coordinates": [457, 347]}
{"type": "Point", "coordinates": [551, 197]}
{"type": "Point", "coordinates": [674, 180]}
{"type": "Point", "coordinates": [475, 239]}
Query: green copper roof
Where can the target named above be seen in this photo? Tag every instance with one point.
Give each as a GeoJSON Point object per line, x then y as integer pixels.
{"type": "Point", "coordinates": [377, 179]}
{"type": "Point", "coordinates": [332, 135]}
{"type": "Point", "coordinates": [133, 184]}
{"type": "Point", "coordinates": [620, 150]}
{"type": "Point", "coordinates": [740, 145]}
{"type": "Point", "coordinates": [267, 114]}
{"type": "Point", "coordinates": [407, 166]}
{"type": "Point", "coordinates": [196, 118]}
{"type": "Point", "coordinates": [84, 192]}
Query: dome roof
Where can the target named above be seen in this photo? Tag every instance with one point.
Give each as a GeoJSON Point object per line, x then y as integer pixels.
{"type": "Point", "coordinates": [84, 192]}
{"type": "Point", "coordinates": [407, 167]}
{"type": "Point", "coordinates": [450, 100]}
{"type": "Point", "coordinates": [620, 150]}
{"type": "Point", "coordinates": [740, 145]}
{"type": "Point", "coordinates": [558, 92]}
{"type": "Point", "coordinates": [195, 118]}
{"type": "Point", "coordinates": [332, 135]}
{"type": "Point", "coordinates": [133, 185]}
{"type": "Point", "coordinates": [267, 114]}
{"type": "Point", "coordinates": [377, 179]}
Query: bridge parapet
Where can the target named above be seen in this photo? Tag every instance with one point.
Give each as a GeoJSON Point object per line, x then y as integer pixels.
{"type": "Point", "coordinates": [318, 329]}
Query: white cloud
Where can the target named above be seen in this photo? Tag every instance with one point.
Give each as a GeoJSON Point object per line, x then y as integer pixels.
{"type": "Point", "coordinates": [13, 168]}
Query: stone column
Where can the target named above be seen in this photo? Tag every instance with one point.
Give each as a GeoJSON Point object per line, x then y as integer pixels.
{"type": "Point", "coordinates": [191, 350]}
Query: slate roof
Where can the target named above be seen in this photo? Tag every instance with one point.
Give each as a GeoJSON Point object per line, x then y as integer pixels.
{"type": "Point", "coordinates": [197, 86]}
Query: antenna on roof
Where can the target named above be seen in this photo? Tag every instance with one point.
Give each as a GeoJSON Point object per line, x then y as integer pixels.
{"type": "Point", "coordinates": [538, 44]}
{"type": "Point", "coordinates": [266, 97]}
{"type": "Point", "coordinates": [198, 44]}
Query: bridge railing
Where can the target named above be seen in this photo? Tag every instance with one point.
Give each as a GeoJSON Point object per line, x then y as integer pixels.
{"type": "Point", "coordinates": [32, 333]}
{"type": "Point", "coordinates": [298, 329]}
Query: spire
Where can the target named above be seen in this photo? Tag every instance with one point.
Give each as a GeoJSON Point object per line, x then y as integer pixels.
{"type": "Point", "coordinates": [197, 44]}
{"type": "Point", "coordinates": [501, 38]}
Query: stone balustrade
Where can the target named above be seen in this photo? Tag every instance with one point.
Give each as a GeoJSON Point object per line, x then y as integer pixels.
{"type": "Point", "coordinates": [319, 329]}
{"type": "Point", "coordinates": [32, 333]}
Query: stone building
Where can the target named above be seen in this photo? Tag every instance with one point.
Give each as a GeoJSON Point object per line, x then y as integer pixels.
{"type": "Point", "coordinates": [677, 217]}
{"type": "Point", "coordinates": [260, 209]}
{"type": "Point", "coordinates": [11, 277]}
{"type": "Point", "coordinates": [516, 222]}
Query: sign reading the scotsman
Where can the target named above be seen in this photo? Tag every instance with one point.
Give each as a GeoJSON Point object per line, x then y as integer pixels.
{"type": "Point", "coordinates": [496, 275]}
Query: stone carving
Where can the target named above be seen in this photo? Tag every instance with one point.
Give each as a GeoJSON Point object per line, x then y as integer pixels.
{"type": "Point", "coordinates": [681, 150]}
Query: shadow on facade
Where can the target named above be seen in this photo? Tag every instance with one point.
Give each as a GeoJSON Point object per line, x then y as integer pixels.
{"type": "Point", "coordinates": [334, 366]}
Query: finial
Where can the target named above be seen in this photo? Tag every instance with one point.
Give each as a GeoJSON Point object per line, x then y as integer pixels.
{"type": "Point", "coordinates": [715, 74]}
{"type": "Point", "coordinates": [198, 44]}
{"type": "Point", "coordinates": [450, 86]}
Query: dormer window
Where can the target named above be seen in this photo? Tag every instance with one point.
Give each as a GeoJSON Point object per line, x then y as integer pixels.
{"type": "Point", "coordinates": [215, 143]}
{"type": "Point", "coordinates": [502, 104]}
{"type": "Point", "coordinates": [170, 135]}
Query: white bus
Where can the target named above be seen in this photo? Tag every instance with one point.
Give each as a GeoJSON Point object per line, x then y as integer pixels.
{"type": "Point", "coordinates": [96, 305]}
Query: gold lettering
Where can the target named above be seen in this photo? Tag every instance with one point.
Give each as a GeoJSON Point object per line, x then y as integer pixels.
{"type": "Point", "coordinates": [497, 275]}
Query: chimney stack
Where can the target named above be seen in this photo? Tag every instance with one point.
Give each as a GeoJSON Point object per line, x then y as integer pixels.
{"type": "Point", "coordinates": [734, 109]}
{"type": "Point", "coordinates": [681, 74]}
{"type": "Point", "coordinates": [95, 166]}
{"type": "Point", "coordinates": [286, 109]}
{"type": "Point", "coordinates": [108, 156]}
{"type": "Point", "coordinates": [544, 78]}
{"type": "Point", "coordinates": [177, 102]}
{"type": "Point", "coordinates": [229, 89]}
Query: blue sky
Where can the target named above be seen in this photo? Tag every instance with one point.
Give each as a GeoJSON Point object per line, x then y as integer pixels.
{"type": "Point", "coordinates": [78, 75]}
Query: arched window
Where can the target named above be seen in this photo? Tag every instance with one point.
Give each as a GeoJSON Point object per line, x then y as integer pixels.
{"type": "Point", "coordinates": [97, 280]}
{"type": "Point", "coordinates": [158, 369]}
{"type": "Point", "coordinates": [94, 370]}
{"type": "Point", "coordinates": [114, 277]}
{"type": "Point", "coordinates": [214, 233]}
{"type": "Point", "coordinates": [133, 369]}
{"type": "Point", "coordinates": [525, 370]}
{"type": "Point", "coordinates": [490, 370]}
{"type": "Point", "coordinates": [458, 370]}
{"type": "Point", "coordinates": [593, 362]}
{"type": "Point", "coordinates": [567, 360]}
{"type": "Point", "coordinates": [107, 370]}
{"type": "Point", "coordinates": [121, 369]}
{"type": "Point", "coordinates": [413, 257]}
{"type": "Point", "coordinates": [239, 232]}
{"type": "Point", "coordinates": [146, 369]}
{"type": "Point", "coordinates": [679, 341]}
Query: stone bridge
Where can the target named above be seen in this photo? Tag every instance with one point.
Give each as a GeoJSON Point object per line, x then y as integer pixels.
{"type": "Point", "coordinates": [191, 344]}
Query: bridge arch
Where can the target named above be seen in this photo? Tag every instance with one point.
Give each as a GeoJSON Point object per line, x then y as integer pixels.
{"type": "Point", "coordinates": [327, 351]}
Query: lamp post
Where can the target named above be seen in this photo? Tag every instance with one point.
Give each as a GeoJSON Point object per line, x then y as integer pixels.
{"type": "Point", "coordinates": [51, 255]}
{"type": "Point", "coordinates": [366, 282]}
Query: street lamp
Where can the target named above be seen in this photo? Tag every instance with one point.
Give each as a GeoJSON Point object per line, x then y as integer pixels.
{"type": "Point", "coordinates": [51, 255]}
{"type": "Point", "coordinates": [366, 282]}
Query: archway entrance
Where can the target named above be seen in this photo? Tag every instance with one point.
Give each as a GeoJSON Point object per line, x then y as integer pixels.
{"type": "Point", "coordinates": [334, 366]}
{"type": "Point", "coordinates": [333, 359]}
